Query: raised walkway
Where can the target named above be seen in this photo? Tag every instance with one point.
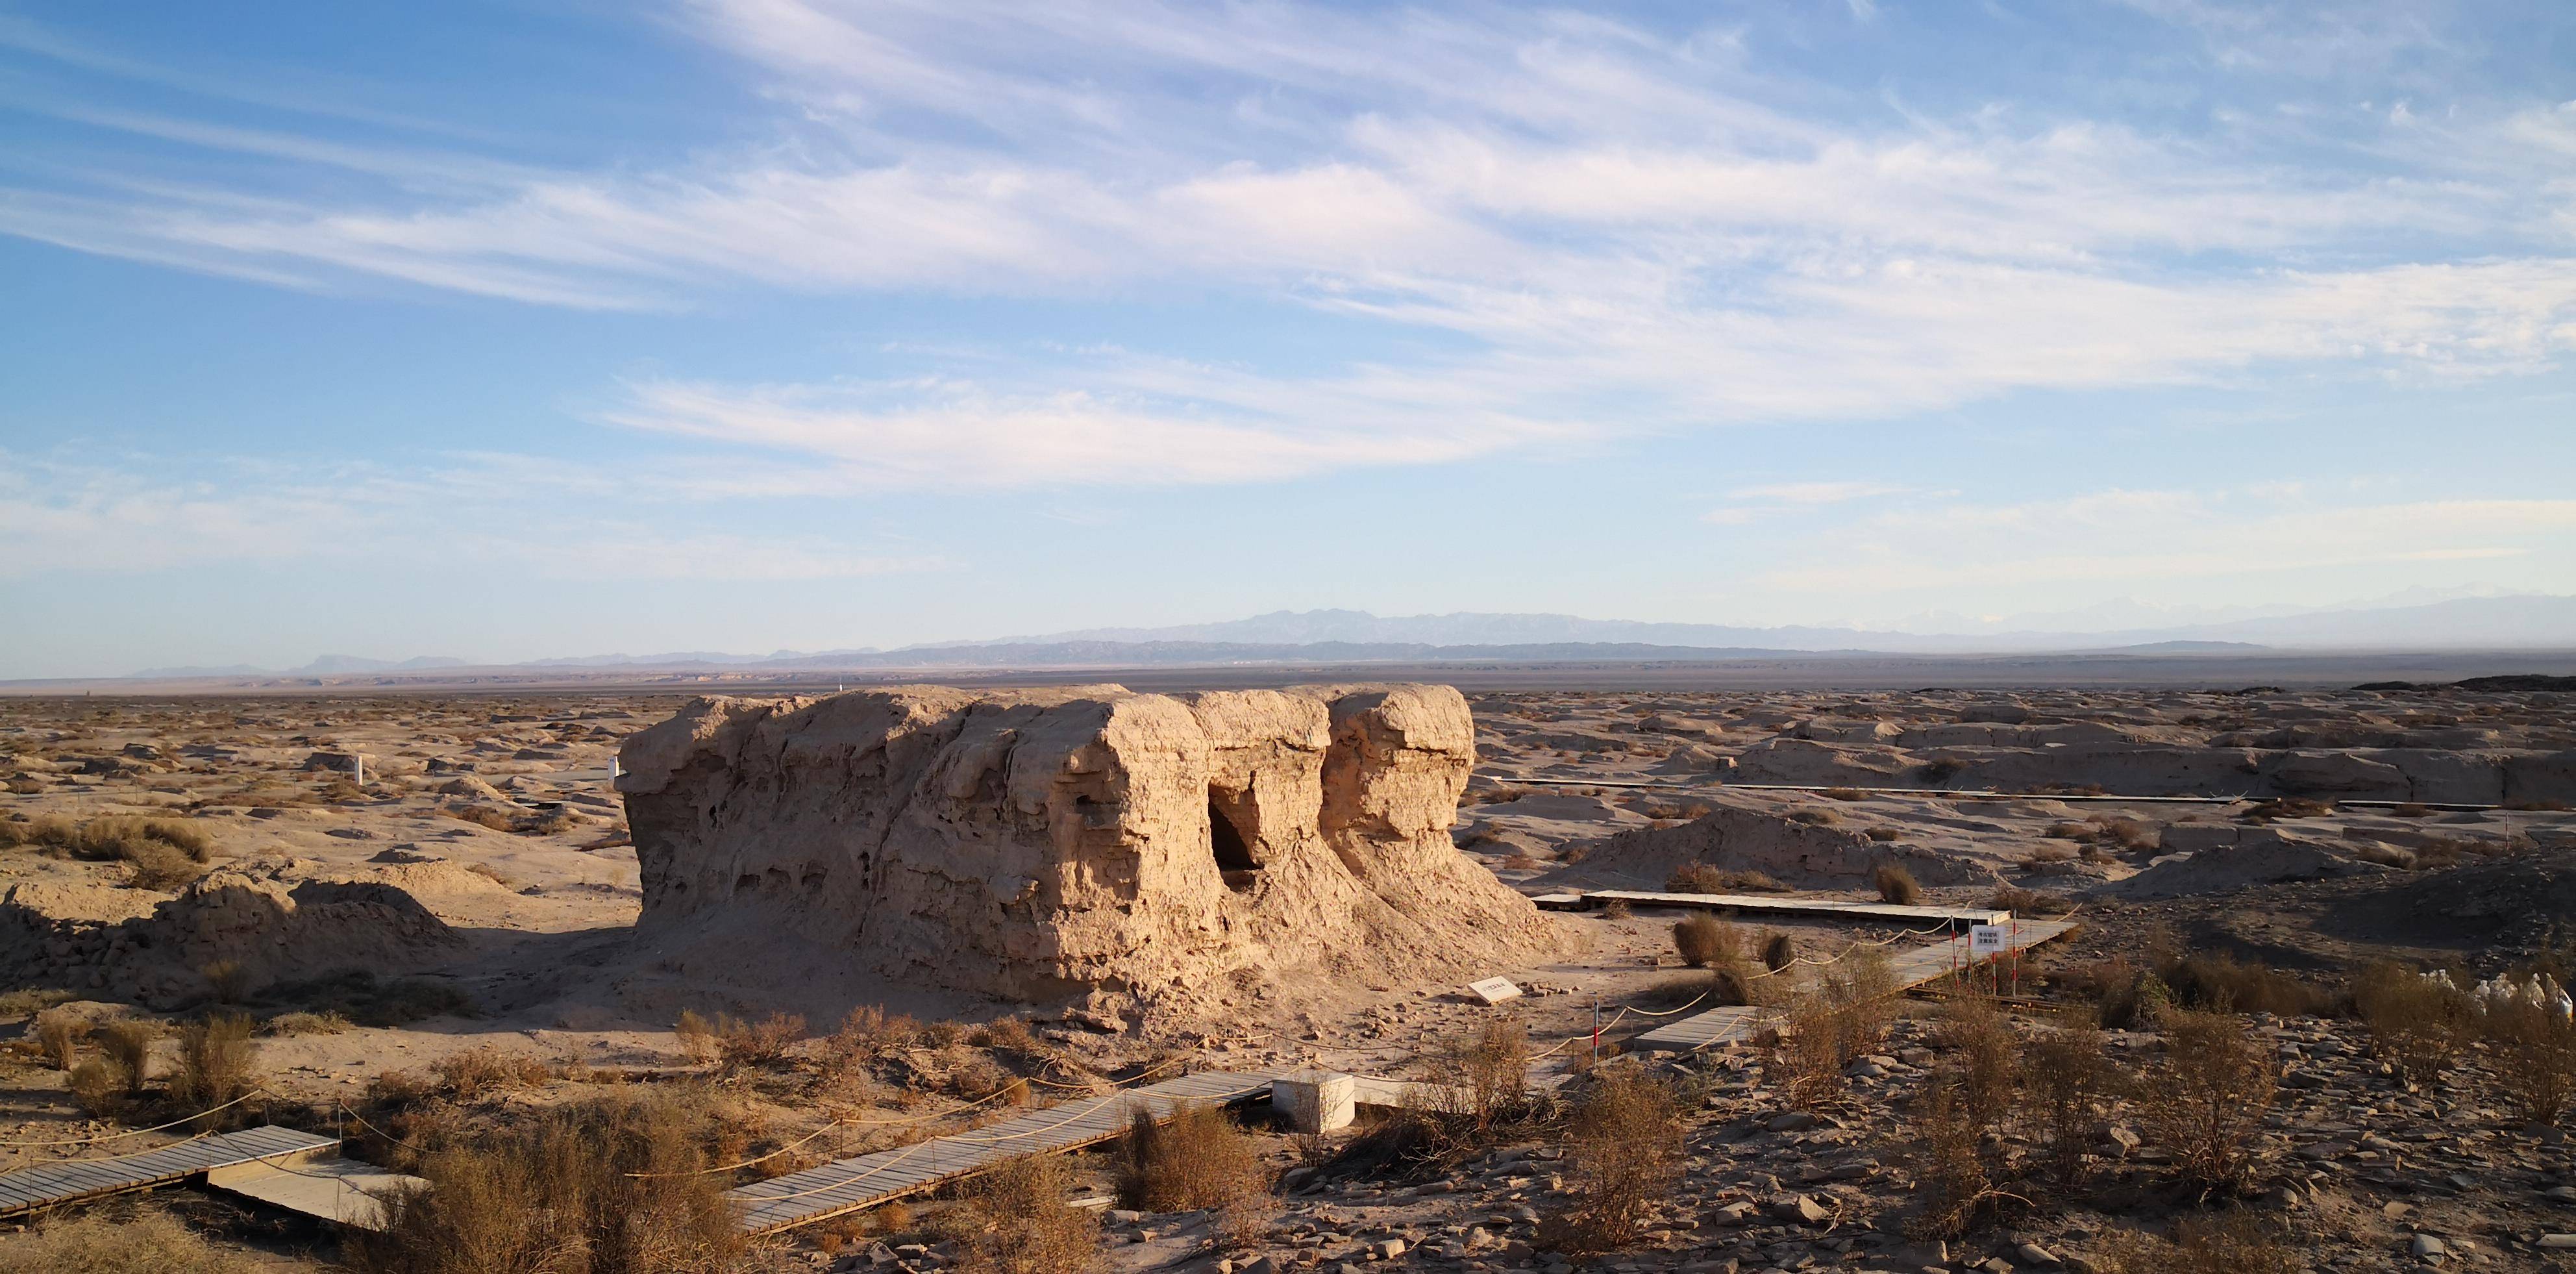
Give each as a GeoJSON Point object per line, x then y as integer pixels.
{"type": "Point", "coordinates": [848, 1185]}
{"type": "Point", "coordinates": [73, 1180]}
{"type": "Point", "coordinates": [1775, 905]}
{"type": "Point", "coordinates": [1736, 1023]}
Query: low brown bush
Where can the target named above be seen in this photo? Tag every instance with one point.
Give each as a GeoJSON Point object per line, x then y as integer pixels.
{"type": "Point", "coordinates": [1779, 950]}
{"type": "Point", "coordinates": [1817, 817]}
{"type": "Point", "coordinates": [1485, 1078]}
{"type": "Point", "coordinates": [1197, 1159]}
{"type": "Point", "coordinates": [744, 1044]}
{"type": "Point", "coordinates": [2042, 854]}
{"type": "Point", "coordinates": [1895, 885]}
{"type": "Point", "coordinates": [1845, 794]}
{"type": "Point", "coordinates": [127, 1042]}
{"type": "Point", "coordinates": [2233, 1243]}
{"type": "Point", "coordinates": [613, 1186]}
{"type": "Point", "coordinates": [1706, 878]}
{"type": "Point", "coordinates": [149, 1242]}
{"type": "Point", "coordinates": [1623, 1154]}
{"type": "Point", "coordinates": [2207, 1096]}
{"type": "Point", "coordinates": [2417, 1024]}
{"type": "Point", "coordinates": [217, 1064]}
{"type": "Point", "coordinates": [1954, 1185]}
{"type": "Point", "coordinates": [1015, 1220]}
{"type": "Point", "coordinates": [697, 1036]}
{"type": "Point", "coordinates": [470, 1074]}
{"type": "Point", "coordinates": [2535, 1049]}
{"type": "Point", "coordinates": [1883, 834]}
{"type": "Point", "coordinates": [1704, 940]}
{"type": "Point", "coordinates": [2028, 902]}
{"type": "Point", "coordinates": [59, 1033]}
{"type": "Point", "coordinates": [2063, 1075]}
{"type": "Point", "coordinates": [1845, 1016]}
{"type": "Point", "coordinates": [227, 980]}
{"type": "Point", "coordinates": [2223, 983]}
{"type": "Point", "coordinates": [1985, 1053]}
{"type": "Point", "coordinates": [101, 1085]}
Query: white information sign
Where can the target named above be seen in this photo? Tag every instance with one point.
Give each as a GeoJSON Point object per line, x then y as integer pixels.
{"type": "Point", "coordinates": [1989, 939]}
{"type": "Point", "coordinates": [1495, 990]}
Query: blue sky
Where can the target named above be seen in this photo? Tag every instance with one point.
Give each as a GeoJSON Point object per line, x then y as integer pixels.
{"type": "Point", "coordinates": [506, 330]}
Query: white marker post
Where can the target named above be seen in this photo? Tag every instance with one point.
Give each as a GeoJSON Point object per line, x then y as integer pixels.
{"type": "Point", "coordinates": [358, 767]}
{"type": "Point", "coordinates": [1985, 941]}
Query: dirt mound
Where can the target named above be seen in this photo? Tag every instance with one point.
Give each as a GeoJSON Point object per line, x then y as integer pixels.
{"type": "Point", "coordinates": [2268, 859]}
{"type": "Point", "coordinates": [275, 918]}
{"type": "Point", "coordinates": [1081, 842]}
{"type": "Point", "coordinates": [1748, 840]}
{"type": "Point", "coordinates": [2514, 903]}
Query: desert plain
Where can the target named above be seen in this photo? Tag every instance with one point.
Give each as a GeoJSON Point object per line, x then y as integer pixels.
{"type": "Point", "coordinates": [428, 910]}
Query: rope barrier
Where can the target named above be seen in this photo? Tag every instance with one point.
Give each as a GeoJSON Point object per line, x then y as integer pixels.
{"type": "Point", "coordinates": [137, 1132]}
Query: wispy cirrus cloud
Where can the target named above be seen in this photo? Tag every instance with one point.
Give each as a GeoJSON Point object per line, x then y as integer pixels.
{"type": "Point", "coordinates": [1607, 230]}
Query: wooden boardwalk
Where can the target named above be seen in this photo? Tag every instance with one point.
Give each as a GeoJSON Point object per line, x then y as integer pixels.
{"type": "Point", "coordinates": [848, 1185]}
{"type": "Point", "coordinates": [1771, 904]}
{"type": "Point", "coordinates": [72, 1180]}
{"type": "Point", "coordinates": [1736, 1023]}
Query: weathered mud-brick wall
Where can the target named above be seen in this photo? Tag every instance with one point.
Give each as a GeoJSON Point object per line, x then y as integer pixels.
{"type": "Point", "coordinates": [1052, 843]}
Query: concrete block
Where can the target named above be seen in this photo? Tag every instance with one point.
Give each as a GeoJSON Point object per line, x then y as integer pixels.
{"type": "Point", "coordinates": [1315, 1101]}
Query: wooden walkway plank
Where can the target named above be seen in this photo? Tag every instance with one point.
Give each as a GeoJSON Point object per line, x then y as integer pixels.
{"type": "Point", "coordinates": [1775, 905]}
{"type": "Point", "coordinates": [1737, 1023]}
{"type": "Point", "coordinates": [69, 1181]}
{"type": "Point", "coordinates": [847, 1185]}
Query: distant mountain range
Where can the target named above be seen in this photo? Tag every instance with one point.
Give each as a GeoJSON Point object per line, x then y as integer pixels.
{"type": "Point", "coordinates": [2481, 622]}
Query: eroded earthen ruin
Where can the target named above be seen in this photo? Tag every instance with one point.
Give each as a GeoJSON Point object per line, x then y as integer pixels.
{"type": "Point", "coordinates": [1082, 841]}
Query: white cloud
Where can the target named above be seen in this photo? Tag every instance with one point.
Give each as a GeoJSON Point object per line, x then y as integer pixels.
{"type": "Point", "coordinates": [1816, 492]}
{"type": "Point", "coordinates": [1608, 231]}
{"type": "Point", "coordinates": [93, 518]}
{"type": "Point", "coordinates": [2113, 538]}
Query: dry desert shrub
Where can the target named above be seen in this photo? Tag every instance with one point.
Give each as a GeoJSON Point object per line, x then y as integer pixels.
{"type": "Point", "coordinates": [484, 816]}
{"type": "Point", "coordinates": [127, 1043]}
{"type": "Point", "coordinates": [2064, 1074]}
{"type": "Point", "coordinates": [1704, 940]}
{"type": "Point", "coordinates": [32, 1000]}
{"type": "Point", "coordinates": [1883, 834]}
{"type": "Point", "coordinates": [476, 1071]}
{"type": "Point", "coordinates": [1845, 794]}
{"type": "Point", "coordinates": [1779, 950]}
{"type": "Point", "coordinates": [1708, 878]}
{"type": "Point", "coordinates": [614, 1186]}
{"type": "Point", "coordinates": [59, 1033]}
{"type": "Point", "coordinates": [2221, 983]}
{"type": "Point", "coordinates": [1895, 884]}
{"type": "Point", "coordinates": [1486, 1079]}
{"type": "Point", "coordinates": [2235, 1243]}
{"type": "Point", "coordinates": [148, 1242]}
{"type": "Point", "coordinates": [1845, 1016]}
{"type": "Point", "coordinates": [1817, 818]}
{"type": "Point", "coordinates": [1197, 1159]}
{"type": "Point", "coordinates": [1955, 1186]}
{"type": "Point", "coordinates": [2418, 1024]}
{"type": "Point", "coordinates": [227, 980]}
{"type": "Point", "coordinates": [2535, 1057]}
{"type": "Point", "coordinates": [1986, 1053]}
{"type": "Point", "coordinates": [2208, 1095]}
{"type": "Point", "coordinates": [2040, 854]}
{"type": "Point", "coordinates": [744, 1044]}
{"type": "Point", "coordinates": [2027, 902]}
{"type": "Point", "coordinates": [101, 1086]}
{"type": "Point", "coordinates": [1623, 1153]}
{"type": "Point", "coordinates": [1016, 1221]}
{"type": "Point", "coordinates": [218, 1065]}
{"type": "Point", "coordinates": [697, 1036]}
{"type": "Point", "coordinates": [323, 1023]}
